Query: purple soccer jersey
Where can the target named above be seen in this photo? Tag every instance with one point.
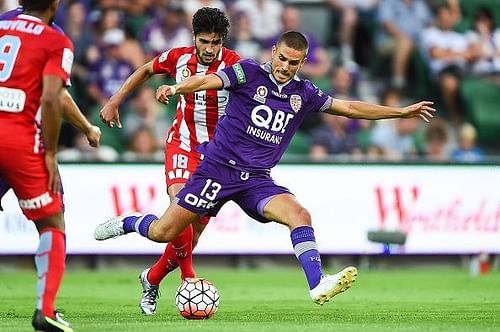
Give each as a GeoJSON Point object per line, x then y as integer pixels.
{"type": "Point", "coordinates": [261, 116]}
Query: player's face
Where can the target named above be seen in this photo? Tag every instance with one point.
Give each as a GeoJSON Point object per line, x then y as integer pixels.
{"type": "Point", "coordinates": [285, 62]}
{"type": "Point", "coordinates": [208, 46]}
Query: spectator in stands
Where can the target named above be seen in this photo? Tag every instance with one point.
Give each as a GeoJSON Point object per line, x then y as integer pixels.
{"type": "Point", "coordinates": [168, 30]}
{"type": "Point", "coordinates": [145, 111]}
{"type": "Point", "coordinates": [82, 151]}
{"type": "Point", "coordinates": [106, 18]}
{"type": "Point", "coordinates": [242, 39]}
{"type": "Point", "coordinates": [346, 17]}
{"type": "Point", "coordinates": [264, 17]}
{"type": "Point", "coordinates": [137, 16]}
{"type": "Point", "coordinates": [191, 6]}
{"type": "Point", "coordinates": [467, 151]}
{"type": "Point", "coordinates": [485, 38]}
{"type": "Point", "coordinates": [111, 70]}
{"type": "Point", "coordinates": [342, 84]}
{"type": "Point", "coordinates": [448, 53]}
{"type": "Point", "coordinates": [401, 23]}
{"type": "Point", "coordinates": [394, 139]}
{"type": "Point", "coordinates": [77, 30]}
{"type": "Point", "coordinates": [143, 146]}
{"type": "Point", "coordinates": [318, 61]}
{"type": "Point", "coordinates": [437, 141]}
{"type": "Point", "coordinates": [337, 135]}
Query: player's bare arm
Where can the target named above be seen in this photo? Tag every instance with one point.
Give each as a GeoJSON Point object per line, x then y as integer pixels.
{"type": "Point", "coordinates": [362, 110]}
{"type": "Point", "coordinates": [72, 114]}
{"type": "Point", "coordinates": [109, 113]}
{"type": "Point", "coordinates": [51, 124]}
{"type": "Point", "coordinates": [190, 85]}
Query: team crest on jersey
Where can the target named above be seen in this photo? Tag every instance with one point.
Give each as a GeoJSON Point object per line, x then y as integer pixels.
{"type": "Point", "coordinates": [295, 102]}
{"type": "Point", "coordinates": [260, 94]}
{"type": "Point", "coordinates": [185, 73]}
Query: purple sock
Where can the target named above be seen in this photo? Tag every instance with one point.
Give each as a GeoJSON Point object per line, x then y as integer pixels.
{"type": "Point", "coordinates": [138, 224]}
{"type": "Point", "coordinates": [306, 250]}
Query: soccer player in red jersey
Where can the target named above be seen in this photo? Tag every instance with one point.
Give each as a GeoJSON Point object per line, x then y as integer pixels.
{"type": "Point", "coordinates": [195, 121]}
{"type": "Point", "coordinates": [36, 63]}
{"type": "Point", "coordinates": [71, 111]}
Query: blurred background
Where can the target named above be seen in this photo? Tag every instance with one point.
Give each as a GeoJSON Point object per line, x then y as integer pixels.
{"type": "Point", "coordinates": [387, 187]}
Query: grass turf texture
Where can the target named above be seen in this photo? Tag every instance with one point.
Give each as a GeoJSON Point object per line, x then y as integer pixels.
{"type": "Point", "coordinates": [269, 300]}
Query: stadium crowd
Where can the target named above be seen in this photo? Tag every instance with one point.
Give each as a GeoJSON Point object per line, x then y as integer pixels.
{"type": "Point", "coordinates": [387, 51]}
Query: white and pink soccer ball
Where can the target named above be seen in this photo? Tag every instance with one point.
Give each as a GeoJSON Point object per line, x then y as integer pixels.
{"type": "Point", "coordinates": [197, 298]}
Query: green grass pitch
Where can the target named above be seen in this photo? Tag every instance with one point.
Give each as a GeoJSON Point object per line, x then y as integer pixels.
{"type": "Point", "coordinates": [269, 300]}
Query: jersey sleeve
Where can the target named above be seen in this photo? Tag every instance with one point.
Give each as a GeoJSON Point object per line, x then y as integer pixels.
{"type": "Point", "coordinates": [317, 100]}
{"type": "Point", "coordinates": [233, 57]}
{"type": "Point", "coordinates": [164, 63]}
{"type": "Point", "coordinates": [236, 74]}
{"type": "Point", "coordinates": [60, 59]}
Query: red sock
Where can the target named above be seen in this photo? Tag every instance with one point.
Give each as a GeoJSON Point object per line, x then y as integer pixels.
{"type": "Point", "coordinates": [183, 247]}
{"type": "Point", "coordinates": [50, 264]}
{"type": "Point", "coordinates": [164, 265]}
{"type": "Point", "coordinates": [172, 258]}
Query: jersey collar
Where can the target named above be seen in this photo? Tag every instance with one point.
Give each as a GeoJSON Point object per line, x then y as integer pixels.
{"type": "Point", "coordinates": [268, 69]}
{"type": "Point", "coordinates": [29, 17]}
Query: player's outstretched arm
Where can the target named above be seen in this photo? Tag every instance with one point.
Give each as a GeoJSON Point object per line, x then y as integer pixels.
{"type": "Point", "coordinates": [362, 110]}
{"type": "Point", "coordinates": [189, 85]}
{"type": "Point", "coordinates": [75, 117]}
{"type": "Point", "coordinates": [109, 113]}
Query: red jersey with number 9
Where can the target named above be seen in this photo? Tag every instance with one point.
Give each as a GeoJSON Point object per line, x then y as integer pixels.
{"type": "Point", "coordinates": [29, 50]}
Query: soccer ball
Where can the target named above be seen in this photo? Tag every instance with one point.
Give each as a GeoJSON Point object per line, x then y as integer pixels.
{"type": "Point", "coordinates": [197, 298]}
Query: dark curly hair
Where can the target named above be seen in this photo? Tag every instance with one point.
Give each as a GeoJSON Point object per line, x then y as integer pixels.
{"type": "Point", "coordinates": [36, 5]}
{"type": "Point", "coordinates": [208, 20]}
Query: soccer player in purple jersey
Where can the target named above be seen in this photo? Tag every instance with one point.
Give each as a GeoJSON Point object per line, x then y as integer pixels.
{"type": "Point", "coordinates": [266, 105]}
{"type": "Point", "coordinates": [71, 112]}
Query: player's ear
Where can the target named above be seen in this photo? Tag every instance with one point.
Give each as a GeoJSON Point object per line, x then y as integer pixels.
{"type": "Point", "coordinates": [303, 61]}
{"type": "Point", "coordinates": [273, 51]}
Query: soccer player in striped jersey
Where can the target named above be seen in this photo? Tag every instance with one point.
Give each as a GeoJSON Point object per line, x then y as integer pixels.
{"type": "Point", "coordinates": [194, 123]}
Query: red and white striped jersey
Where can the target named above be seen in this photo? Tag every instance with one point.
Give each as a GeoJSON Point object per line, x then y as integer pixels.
{"type": "Point", "coordinates": [29, 50]}
{"type": "Point", "coordinates": [197, 113]}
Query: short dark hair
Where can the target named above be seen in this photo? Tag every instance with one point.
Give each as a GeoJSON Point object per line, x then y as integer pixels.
{"type": "Point", "coordinates": [208, 20]}
{"type": "Point", "coordinates": [295, 40]}
{"type": "Point", "coordinates": [36, 5]}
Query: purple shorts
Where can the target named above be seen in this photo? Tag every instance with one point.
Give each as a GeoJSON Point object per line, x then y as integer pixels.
{"type": "Point", "coordinates": [214, 184]}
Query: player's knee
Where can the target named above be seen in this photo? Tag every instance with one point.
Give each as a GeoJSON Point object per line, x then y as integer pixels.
{"type": "Point", "coordinates": [160, 233]}
{"type": "Point", "coordinates": [303, 217]}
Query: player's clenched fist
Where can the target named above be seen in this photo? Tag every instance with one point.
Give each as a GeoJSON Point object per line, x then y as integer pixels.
{"type": "Point", "coordinates": [165, 91]}
{"type": "Point", "coordinates": [110, 115]}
